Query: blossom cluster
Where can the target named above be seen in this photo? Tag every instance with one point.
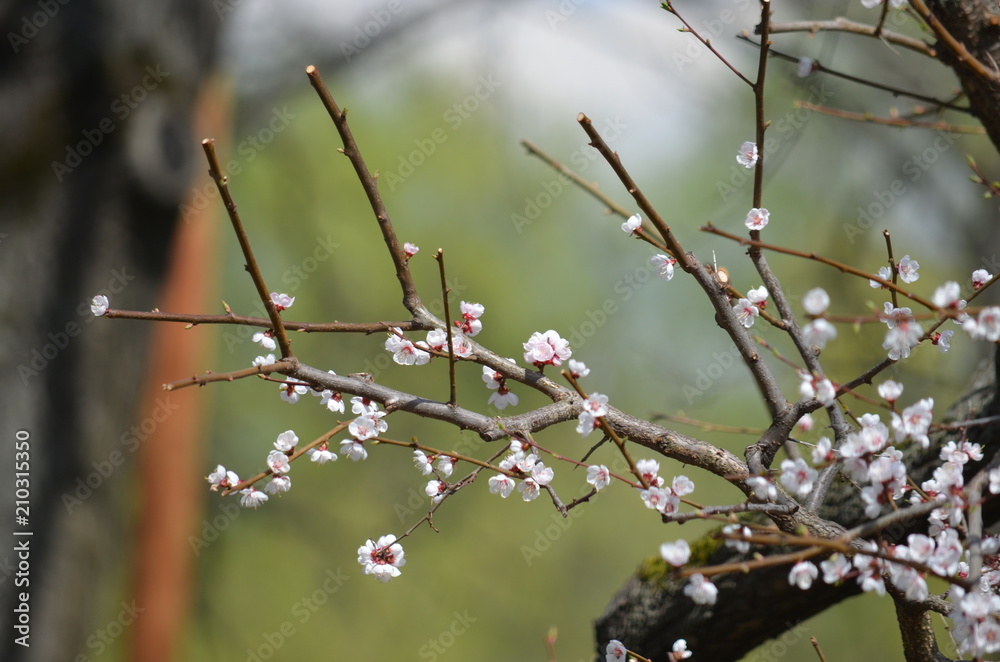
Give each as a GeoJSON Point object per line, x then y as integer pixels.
{"type": "Point", "coordinates": [521, 462]}
{"type": "Point", "coordinates": [657, 496]}
{"type": "Point", "coordinates": [615, 651]}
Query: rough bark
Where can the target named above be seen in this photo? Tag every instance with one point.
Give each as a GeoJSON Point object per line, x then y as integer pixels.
{"type": "Point", "coordinates": [650, 612]}
{"type": "Point", "coordinates": [976, 24]}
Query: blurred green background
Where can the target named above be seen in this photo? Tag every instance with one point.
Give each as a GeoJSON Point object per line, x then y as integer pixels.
{"type": "Point", "coordinates": [283, 582]}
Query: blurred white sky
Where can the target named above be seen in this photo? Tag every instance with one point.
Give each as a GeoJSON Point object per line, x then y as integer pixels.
{"type": "Point", "coordinates": [554, 59]}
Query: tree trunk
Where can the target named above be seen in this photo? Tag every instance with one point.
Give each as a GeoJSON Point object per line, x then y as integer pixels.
{"type": "Point", "coordinates": [98, 153]}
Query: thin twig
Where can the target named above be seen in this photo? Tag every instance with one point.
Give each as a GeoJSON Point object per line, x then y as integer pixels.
{"type": "Point", "coordinates": [893, 267]}
{"type": "Point", "coordinates": [819, 651]}
{"type": "Point", "coordinates": [686, 262]}
{"type": "Point", "coordinates": [758, 97]}
{"type": "Point", "coordinates": [439, 256]}
{"type": "Point", "coordinates": [895, 91]}
{"type": "Point", "coordinates": [890, 121]}
{"type": "Point", "coordinates": [608, 430]}
{"type": "Point", "coordinates": [589, 187]}
{"type": "Point", "coordinates": [844, 25]}
{"type": "Point", "coordinates": [813, 546]}
{"type": "Point", "coordinates": [411, 300]}
{"type": "Point", "coordinates": [992, 188]}
{"type": "Point", "coordinates": [969, 423]}
{"type": "Point", "coordinates": [209, 377]}
{"type": "Point", "coordinates": [707, 43]}
{"type": "Point", "coordinates": [292, 456]}
{"type": "Point", "coordinates": [244, 320]}
{"type": "Point", "coordinates": [783, 421]}
{"type": "Point", "coordinates": [708, 427]}
{"type": "Point", "coordinates": [725, 317]}
{"type": "Point", "coordinates": [827, 261]}
{"type": "Point", "coordinates": [580, 463]}
{"type": "Point", "coordinates": [222, 184]}
{"type": "Point", "coordinates": [457, 456]}
{"type": "Point", "coordinates": [714, 511]}
{"type": "Point", "coordinates": [592, 188]}
{"type": "Point", "coordinates": [881, 21]}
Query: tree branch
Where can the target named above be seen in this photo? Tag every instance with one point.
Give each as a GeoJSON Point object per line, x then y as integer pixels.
{"type": "Point", "coordinates": [222, 184]}
{"type": "Point", "coordinates": [411, 300]}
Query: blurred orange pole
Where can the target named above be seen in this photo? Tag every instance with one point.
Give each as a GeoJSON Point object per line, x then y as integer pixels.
{"type": "Point", "coordinates": [171, 461]}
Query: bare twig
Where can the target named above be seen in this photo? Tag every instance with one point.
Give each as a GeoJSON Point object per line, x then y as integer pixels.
{"type": "Point", "coordinates": [589, 187]}
{"type": "Point", "coordinates": [992, 188]}
{"type": "Point", "coordinates": [891, 121]}
{"type": "Point", "coordinates": [893, 267]}
{"type": "Point", "coordinates": [411, 300]}
{"type": "Point", "coordinates": [714, 511]}
{"type": "Point", "coordinates": [844, 25]}
{"type": "Point", "coordinates": [895, 91]}
{"type": "Point", "coordinates": [819, 651]}
{"type": "Point", "coordinates": [244, 320]}
{"type": "Point", "coordinates": [222, 184]}
{"type": "Point", "coordinates": [209, 377]}
{"type": "Point", "coordinates": [716, 291]}
{"type": "Point", "coordinates": [299, 452]}
{"type": "Point", "coordinates": [833, 263]}
{"type": "Point", "coordinates": [707, 43]}
{"type": "Point", "coordinates": [439, 256]}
